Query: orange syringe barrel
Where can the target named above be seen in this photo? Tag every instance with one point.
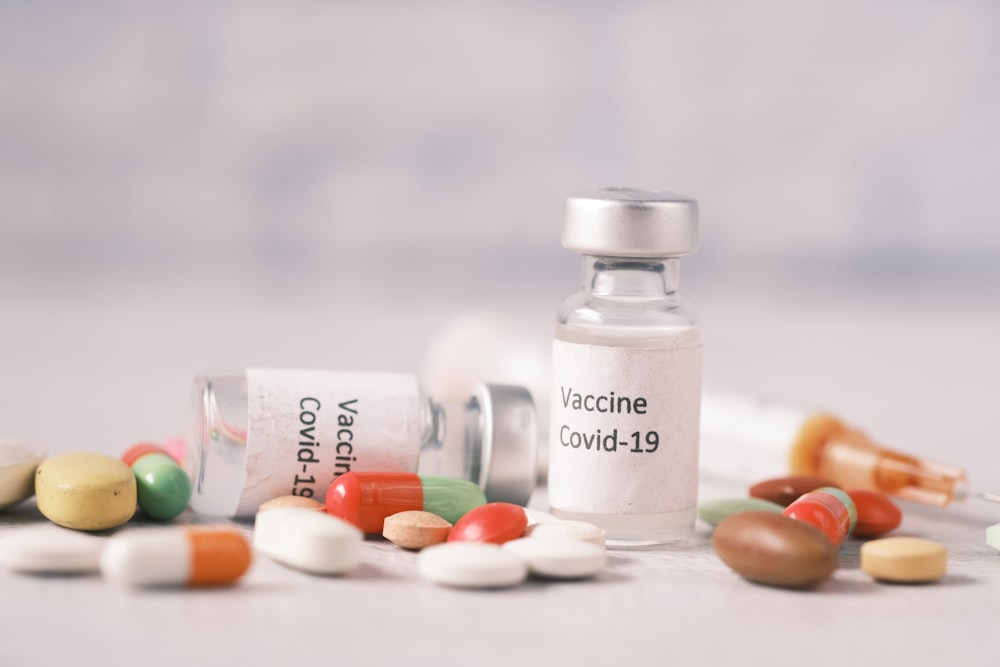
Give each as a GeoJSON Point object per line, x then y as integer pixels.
{"type": "Point", "coordinates": [827, 448]}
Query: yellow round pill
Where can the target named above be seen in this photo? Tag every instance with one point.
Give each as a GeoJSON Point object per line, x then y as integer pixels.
{"type": "Point", "coordinates": [904, 559]}
{"type": "Point", "coordinates": [85, 491]}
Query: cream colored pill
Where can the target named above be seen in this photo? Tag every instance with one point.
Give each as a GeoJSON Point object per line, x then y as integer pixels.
{"type": "Point", "coordinates": [49, 549]}
{"type": "Point", "coordinates": [18, 461]}
{"type": "Point", "coordinates": [559, 557]}
{"type": "Point", "coordinates": [415, 529]}
{"type": "Point", "coordinates": [471, 565]}
{"type": "Point", "coordinates": [564, 528]}
{"type": "Point", "coordinates": [311, 541]}
{"type": "Point", "coordinates": [904, 559]}
{"type": "Point", "coordinates": [300, 502]}
{"type": "Point", "coordinates": [85, 491]}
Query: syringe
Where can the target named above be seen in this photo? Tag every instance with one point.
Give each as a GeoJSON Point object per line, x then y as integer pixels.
{"type": "Point", "coordinates": [755, 439]}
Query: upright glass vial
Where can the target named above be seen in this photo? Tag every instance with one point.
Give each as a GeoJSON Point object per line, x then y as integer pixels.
{"type": "Point", "coordinates": [623, 444]}
{"type": "Point", "coordinates": [265, 433]}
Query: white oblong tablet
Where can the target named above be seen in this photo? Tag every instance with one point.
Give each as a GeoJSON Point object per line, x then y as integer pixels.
{"type": "Point", "coordinates": [308, 540]}
{"type": "Point", "coordinates": [471, 565]}
{"type": "Point", "coordinates": [559, 558]}
{"type": "Point", "coordinates": [49, 549]}
{"type": "Point", "coordinates": [18, 461]}
{"type": "Point", "coordinates": [565, 528]}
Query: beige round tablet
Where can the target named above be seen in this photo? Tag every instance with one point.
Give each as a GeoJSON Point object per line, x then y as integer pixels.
{"type": "Point", "coordinates": [904, 559]}
{"type": "Point", "coordinates": [85, 491]}
{"type": "Point", "coordinates": [414, 529]}
{"type": "Point", "coordinates": [300, 502]}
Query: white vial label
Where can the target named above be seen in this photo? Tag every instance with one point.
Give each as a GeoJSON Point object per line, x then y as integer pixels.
{"type": "Point", "coordinates": [307, 427]}
{"type": "Point", "coordinates": [624, 433]}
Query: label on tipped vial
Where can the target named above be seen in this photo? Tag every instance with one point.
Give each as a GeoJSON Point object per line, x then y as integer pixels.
{"type": "Point", "coordinates": [624, 429]}
{"type": "Point", "coordinates": [305, 428]}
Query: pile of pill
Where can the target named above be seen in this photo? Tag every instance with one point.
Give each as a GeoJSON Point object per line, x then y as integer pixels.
{"type": "Point", "coordinates": [789, 530]}
{"type": "Point", "coordinates": [463, 540]}
{"type": "Point", "coordinates": [787, 533]}
{"type": "Point", "coordinates": [81, 493]}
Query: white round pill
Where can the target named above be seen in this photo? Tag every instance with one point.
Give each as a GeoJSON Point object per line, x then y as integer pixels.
{"type": "Point", "coordinates": [538, 516]}
{"type": "Point", "coordinates": [49, 549]}
{"type": "Point", "coordinates": [308, 540]}
{"type": "Point", "coordinates": [565, 528]}
{"type": "Point", "coordinates": [471, 565]}
{"type": "Point", "coordinates": [559, 558]}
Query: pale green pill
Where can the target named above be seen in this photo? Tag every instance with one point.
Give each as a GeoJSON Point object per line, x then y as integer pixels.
{"type": "Point", "coordinates": [993, 536]}
{"type": "Point", "coordinates": [715, 510]}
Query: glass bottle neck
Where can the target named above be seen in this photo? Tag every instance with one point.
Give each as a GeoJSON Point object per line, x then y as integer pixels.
{"type": "Point", "coordinates": [641, 277]}
{"type": "Point", "coordinates": [450, 439]}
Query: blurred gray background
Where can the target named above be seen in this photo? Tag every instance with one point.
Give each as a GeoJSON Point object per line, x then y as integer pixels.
{"type": "Point", "coordinates": [323, 184]}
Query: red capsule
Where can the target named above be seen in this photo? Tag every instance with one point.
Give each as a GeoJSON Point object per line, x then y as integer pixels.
{"type": "Point", "coordinates": [825, 511]}
{"type": "Point", "coordinates": [367, 498]}
{"type": "Point", "coordinates": [492, 522]}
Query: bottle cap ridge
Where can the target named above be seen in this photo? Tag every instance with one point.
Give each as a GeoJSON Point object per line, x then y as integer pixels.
{"type": "Point", "coordinates": [624, 222]}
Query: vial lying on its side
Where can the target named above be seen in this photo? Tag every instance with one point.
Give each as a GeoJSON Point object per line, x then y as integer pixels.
{"type": "Point", "coordinates": [263, 433]}
{"type": "Point", "coordinates": [626, 373]}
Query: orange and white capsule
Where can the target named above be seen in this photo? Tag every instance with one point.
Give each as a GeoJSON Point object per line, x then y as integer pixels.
{"type": "Point", "coordinates": [183, 556]}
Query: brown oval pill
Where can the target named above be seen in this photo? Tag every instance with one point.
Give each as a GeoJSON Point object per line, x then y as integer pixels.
{"type": "Point", "coordinates": [415, 529]}
{"type": "Point", "coordinates": [774, 549]}
{"type": "Point", "coordinates": [786, 490]}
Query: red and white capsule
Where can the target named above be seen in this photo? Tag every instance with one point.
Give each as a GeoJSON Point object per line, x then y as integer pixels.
{"type": "Point", "coordinates": [185, 556]}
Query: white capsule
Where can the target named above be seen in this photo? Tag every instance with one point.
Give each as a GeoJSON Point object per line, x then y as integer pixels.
{"type": "Point", "coordinates": [559, 558]}
{"type": "Point", "coordinates": [312, 541]}
{"type": "Point", "coordinates": [471, 565]}
{"type": "Point", "coordinates": [186, 556]}
{"type": "Point", "coordinates": [565, 528]}
{"type": "Point", "coordinates": [49, 549]}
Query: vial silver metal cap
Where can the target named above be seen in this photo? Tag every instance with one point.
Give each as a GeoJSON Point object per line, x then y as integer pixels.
{"type": "Point", "coordinates": [622, 222]}
{"type": "Point", "coordinates": [509, 445]}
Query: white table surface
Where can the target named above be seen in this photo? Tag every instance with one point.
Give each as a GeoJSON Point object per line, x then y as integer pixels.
{"type": "Point", "coordinates": [918, 372]}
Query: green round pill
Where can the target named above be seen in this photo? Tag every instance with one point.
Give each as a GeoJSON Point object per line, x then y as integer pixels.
{"type": "Point", "coordinates": [163, 487]}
